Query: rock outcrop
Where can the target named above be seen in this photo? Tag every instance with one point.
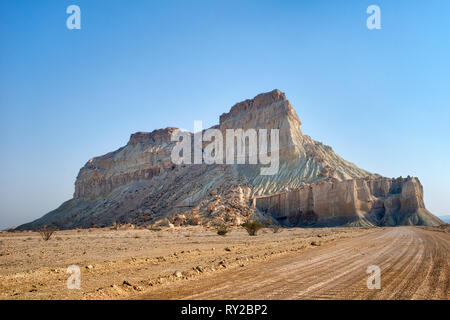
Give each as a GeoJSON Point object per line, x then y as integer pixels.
{"type": "Point", "coordinates": [356, 202]}
{"type": "Point", "coordinates": [145, 156]}
{"type": "Point", "coordinates": [139, 183]}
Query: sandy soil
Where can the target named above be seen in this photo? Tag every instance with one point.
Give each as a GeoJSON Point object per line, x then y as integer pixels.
{"type": "Point", "coordinates": [121, 263]}
{"type": "Point", "coordinates": [414, 264]}
{"type": "Point", "coordinates": [292, 264]}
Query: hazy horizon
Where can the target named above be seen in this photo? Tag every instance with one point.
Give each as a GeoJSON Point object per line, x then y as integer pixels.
{"type": "Point", "coordinates": [379, 98]}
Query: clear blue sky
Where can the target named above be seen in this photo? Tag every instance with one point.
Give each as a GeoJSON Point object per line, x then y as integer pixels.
{"type": "Point", "coordinates": [380, 98]}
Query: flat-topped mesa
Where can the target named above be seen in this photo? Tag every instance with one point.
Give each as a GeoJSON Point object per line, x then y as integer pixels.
{"type": "Point", "coordinates": [139, 183]}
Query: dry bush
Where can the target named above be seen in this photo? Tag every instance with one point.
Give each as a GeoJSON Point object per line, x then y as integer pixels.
{"type": "Point", "coordinates": [46, 233]}
{"type": "Point", "coordinates": [252, 227]}
{"type": "Point", "coordinates": [222, 230]}
{"type": "Point", "coordinates": [114, 226]}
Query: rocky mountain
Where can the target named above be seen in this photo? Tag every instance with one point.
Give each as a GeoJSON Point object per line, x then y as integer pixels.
{"type": "Point", "coordinates": [140, 184]}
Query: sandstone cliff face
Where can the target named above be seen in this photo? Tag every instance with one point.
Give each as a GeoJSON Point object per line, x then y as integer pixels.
{"type": "Point", "coordinates": [362, 202]}
{"type": "Point", "coordinates": [138, 183]}
{"type": "Point", "coordinates": [145, 156]}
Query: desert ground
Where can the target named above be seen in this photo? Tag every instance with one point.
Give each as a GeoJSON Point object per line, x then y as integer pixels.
{"type": "Point", "coordinates": [197, 263]}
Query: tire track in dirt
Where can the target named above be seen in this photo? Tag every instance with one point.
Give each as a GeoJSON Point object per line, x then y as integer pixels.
{"type": "Point", "coordinates": [353, 275]}
{"type": "Point", "coordinates": [311, 277]}
{"type": "Point", "coordinates": [413, 261]}
{"type": "Point", "coordinates": [261, 285]}
{"type": "Point", "coordinates": [393, 270]}
{"type": "Point", "coordinates": [438, 273]}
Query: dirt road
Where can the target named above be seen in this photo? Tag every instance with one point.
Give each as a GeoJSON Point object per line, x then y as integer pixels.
{"type": "Point", "coordinates": [414, 264]}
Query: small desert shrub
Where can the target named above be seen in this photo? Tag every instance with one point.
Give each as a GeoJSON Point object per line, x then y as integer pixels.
{"type": "Point", "coordinates": [222, 230]}
{"type": "Point", "coordinates": [154, 229]}
{"type": "Point", "coordinates": [253, 227]}
{"type": "Point", "coordinates": [46, 233]}
{"type": "Point", "coordinates": [114, 226]}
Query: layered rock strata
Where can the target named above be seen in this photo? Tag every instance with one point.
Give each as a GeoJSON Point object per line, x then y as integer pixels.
{"type": "Point", "coordinates": [358, 202]}
{"type": "Point", "coordinates": [139, 183]}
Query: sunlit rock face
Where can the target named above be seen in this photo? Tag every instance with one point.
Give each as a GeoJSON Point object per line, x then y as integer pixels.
{"type": "Point", "coordinates": [145, 156]}
{"type": "Point", "coordinates": [140, 184]}
{"type": "Point", "coordinates": [354, 202]}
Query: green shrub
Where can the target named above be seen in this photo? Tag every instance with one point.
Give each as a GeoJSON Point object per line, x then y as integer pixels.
{"type": "Point", "coordinates": [222, 230]}
{"type": "Point", "coordinates": [252, 227]}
